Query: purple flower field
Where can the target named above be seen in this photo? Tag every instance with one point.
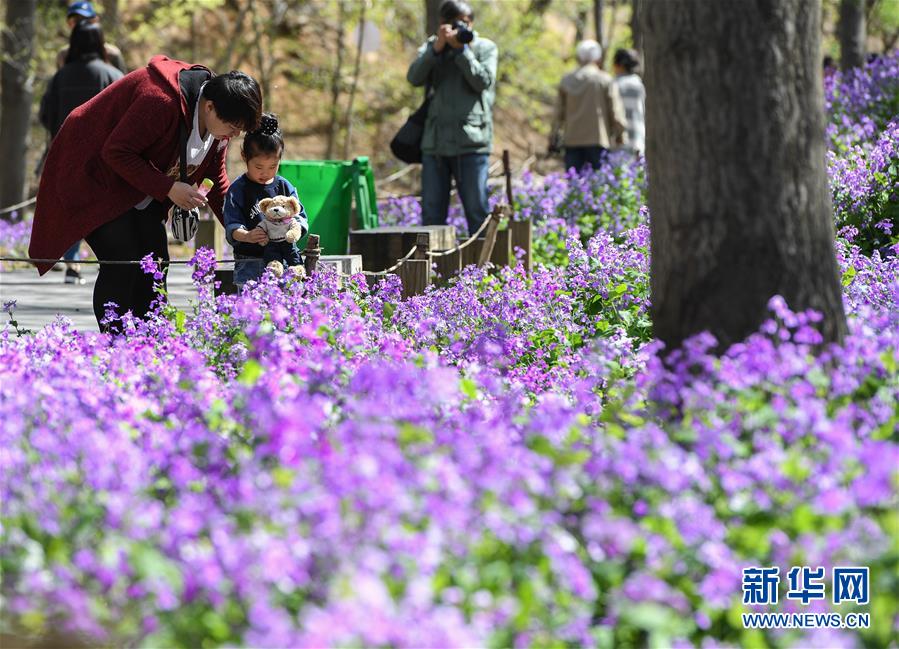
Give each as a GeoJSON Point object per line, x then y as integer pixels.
{"type": "Point", "coordinates": [504, 461]}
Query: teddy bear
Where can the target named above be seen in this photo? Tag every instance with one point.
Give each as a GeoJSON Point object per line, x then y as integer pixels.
{"type": "Point", "coordinates": [283, 232]}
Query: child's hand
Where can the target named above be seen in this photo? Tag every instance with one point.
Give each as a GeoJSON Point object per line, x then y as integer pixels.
{"type": "Point", "coordinates": [256, 235]}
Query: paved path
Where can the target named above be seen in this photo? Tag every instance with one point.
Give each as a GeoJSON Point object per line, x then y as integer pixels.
{"type": "Point", "coordinates": [40, 299]}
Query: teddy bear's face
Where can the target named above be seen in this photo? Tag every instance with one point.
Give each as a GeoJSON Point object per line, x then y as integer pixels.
{"type": "Point", "coordinates": [279, 208]}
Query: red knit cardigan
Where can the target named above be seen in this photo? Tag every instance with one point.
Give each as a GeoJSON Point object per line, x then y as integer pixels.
{"type": "Point", "coordinates": [111, 153]}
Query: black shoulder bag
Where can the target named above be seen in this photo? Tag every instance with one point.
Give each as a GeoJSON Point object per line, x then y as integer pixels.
{"type": "Point", "coordinates": [406, 144]}
{"type": "Point", "coordinates": [185, 223]}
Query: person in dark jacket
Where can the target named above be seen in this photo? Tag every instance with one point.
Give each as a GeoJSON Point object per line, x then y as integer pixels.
{"type": "Point", "coordinates": [84, 13]}
{"type": "Point", "coordinates": [113, 170]}
{"type": "Point", "coordinates": [458, 132]}
{"type": "Point", "coordinates": [85, 74]}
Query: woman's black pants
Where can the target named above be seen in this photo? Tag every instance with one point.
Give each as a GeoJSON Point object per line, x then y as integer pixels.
{"type": "Point", "coordinates": [130, 236]}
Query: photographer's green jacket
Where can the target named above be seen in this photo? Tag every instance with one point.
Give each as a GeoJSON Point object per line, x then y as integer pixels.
{"type": "Point", "coordinates": [463, 82]}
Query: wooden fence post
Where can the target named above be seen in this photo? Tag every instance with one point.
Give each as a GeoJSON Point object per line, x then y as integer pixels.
{"type": "Point", "coordinates": [448, 265]}
{"type": "Point", "coordinates": [522, 237]}
{"type": "Point", "coordinates": [210, 234]}
{"type": "Point", "coordinates": [507, 171]}
{"type": "Point", "coordinates": [415, 275]}
{"type": "Point", "coordinates": [422, 242]}
{"type": "Point", "coordinates": [311, 254]}
{"type": "Point", "coordinates": [490, 236]}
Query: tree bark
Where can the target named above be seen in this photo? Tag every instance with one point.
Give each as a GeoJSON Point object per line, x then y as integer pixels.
{"type": "Point", "coordinates": [738, 190]}
{"type": "Point", "coordinates": [432, 16]}
{"type": "Point", "coordinates": [580, 25]}
{"type": "Point", "coordinates": [111, 20]}
{"type": "Point", "coordinates": [348, 139]}
{"type": "Point", "coordinates": [597, 19]}
{"type": "Point", "coordinates": [334, 126]}
{"type": "Point", "coordinates": [224, 63]}
{"type": "Point", "coordinates": [609, 36]}
{"type": "Point", "coordinates": [16, 91]}
{"type": "Point", "coordinates": [636, 29]}
{"type": "Point", "coordinates": [852, 33]}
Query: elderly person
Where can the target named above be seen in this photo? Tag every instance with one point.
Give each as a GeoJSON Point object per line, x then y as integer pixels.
{"type": "Point", "coordinates": [459, 66]}
{"type": "Point", "coordinates": [588, 111]}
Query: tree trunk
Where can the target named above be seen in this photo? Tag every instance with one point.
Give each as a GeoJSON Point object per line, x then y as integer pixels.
{"type": "Point", "coordinates": [636, 29]}
{"type": "Point", "coordinates": [347, 142]}
{"type": "Point", "coordinates": [580, 25]}
{"type": "Point", "coordinates": [224, 63]}
{"type": "Point", "coordinates": [852, 33]}
{"type": "Point", "coordinates": [432, 16]}
{"type": "Point", "coordinates": [609, 36]}
{"type": "Point", "coordinates": [597, 19]}
{"type": "Point", "coordinates": [334, 126]}
{"type": "Point", "coordinates": [738, 191]}
{"type": "Point", "coordinates": [111, 20]}
{"type": "Point", "coordinates": [16, 90]}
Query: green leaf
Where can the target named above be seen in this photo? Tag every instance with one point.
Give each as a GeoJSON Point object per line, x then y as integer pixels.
{"type": "Point", "coordinates": [282, 476]}
{"type": "Point", "coordinates": [250, 372]}
{"type": "Point", "coordinates": [469, 388]}
{"type": "Point", "coordinates": [410, 434]}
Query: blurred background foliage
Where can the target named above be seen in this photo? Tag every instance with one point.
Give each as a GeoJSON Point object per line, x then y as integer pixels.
{"type": "Point", "coordinates": [337, 102]}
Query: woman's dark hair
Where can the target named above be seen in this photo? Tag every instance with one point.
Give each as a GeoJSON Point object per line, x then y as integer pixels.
{"type": "Point", "coordinates": [236, 98]}
{"type": "Point", "coordinates": [452, 9]}
{"type": "Point", "coordinates": [265, 140]}
{"type": "Point", "coordinates": [627, 59]}
{"type": "Point", "coordinates": [86, 43]}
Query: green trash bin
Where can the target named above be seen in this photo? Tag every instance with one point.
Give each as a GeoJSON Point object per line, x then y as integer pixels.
{"type": "Point", "coordinates": [328, 189]}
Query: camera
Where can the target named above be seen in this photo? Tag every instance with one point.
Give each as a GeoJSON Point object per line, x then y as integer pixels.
{"type": "Point", "coordinates": [463, 33]}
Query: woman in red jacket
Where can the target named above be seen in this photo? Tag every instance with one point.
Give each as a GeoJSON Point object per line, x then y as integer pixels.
{"type": "Point", "coordinates": [112, 170]}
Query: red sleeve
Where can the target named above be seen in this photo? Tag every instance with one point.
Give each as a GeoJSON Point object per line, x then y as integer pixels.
{"type": "Point", "coordinates": [149, 117]}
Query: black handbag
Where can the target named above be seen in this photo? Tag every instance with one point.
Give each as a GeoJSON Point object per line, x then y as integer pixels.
{"type": "Point", "coordinates": [406, 144]}
{"type": "Point", "coordinates": [185, 223]}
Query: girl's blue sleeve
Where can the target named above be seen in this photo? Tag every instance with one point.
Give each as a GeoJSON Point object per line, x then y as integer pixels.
{"type": "Point", "coordinates": [301, 217]}
{"type": "Point", "coordinates": [233, 211]}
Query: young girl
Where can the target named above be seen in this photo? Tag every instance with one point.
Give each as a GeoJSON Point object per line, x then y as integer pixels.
{"type": "Point", "coordinates": [261, 151]}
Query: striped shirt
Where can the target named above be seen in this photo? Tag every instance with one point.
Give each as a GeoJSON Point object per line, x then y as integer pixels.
{"type": "Point", "coordinates": [633, 97]}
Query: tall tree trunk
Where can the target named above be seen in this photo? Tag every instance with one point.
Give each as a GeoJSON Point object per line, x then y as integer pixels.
{"type": "Point", "coordinates": [580, 26]}
{"type": "Point", "coordinates": [224, 62]}
{"type": "Point", "coordinates": [609, 35]}
{"type": "Point", "coordinates": [636, 28]}
{"type": "Point", "coordinates": [738, 191]}
{"type": "Point", "coordinates": [111, 20]}
{"type": "Point", "coordinates": [264, 60]}
{"type": "Point", "coordinates": [597, 20]}
{"type": "Point", "coordinates": [16, 90]}
{"type": "Point", "coordinates": [347, 142]}
{"type": "Point", "coordinates": [432, 16]}
{"type": "Point", "coordinates": [852, 33]}
{"type": "Point", "coordinates": [334, 126]}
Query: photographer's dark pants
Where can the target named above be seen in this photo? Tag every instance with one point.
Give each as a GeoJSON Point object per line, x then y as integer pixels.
{"type": "Point", "coordinates": [582, 156]}
{"type": "Point", "coordinates": [133, 235]}
{"type": "Point", "coordinates": [470, 173]}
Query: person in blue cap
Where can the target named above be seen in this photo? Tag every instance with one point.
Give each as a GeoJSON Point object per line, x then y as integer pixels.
{"type": "Point", "coordinates": [84, 12]}
{"type": "Point", "coordinates": [79, 13]}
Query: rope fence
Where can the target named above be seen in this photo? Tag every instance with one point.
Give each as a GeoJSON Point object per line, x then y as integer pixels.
{"type": "Point", "coordinates": [108, 262]}
{"type": "Point", "coordinates": [13, 208]}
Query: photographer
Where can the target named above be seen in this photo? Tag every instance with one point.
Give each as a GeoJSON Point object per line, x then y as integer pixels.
{"type": "Point", "coordinates": [459, 67]}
